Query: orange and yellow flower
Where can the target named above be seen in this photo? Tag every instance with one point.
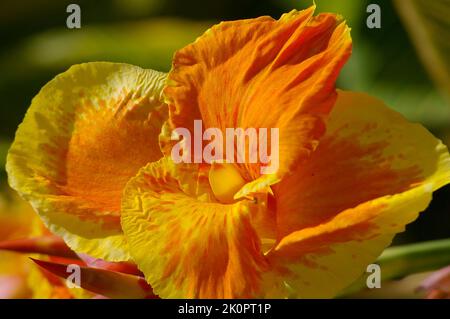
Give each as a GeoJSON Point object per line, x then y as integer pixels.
{"type": "Point", "coordinates": [92, 156]}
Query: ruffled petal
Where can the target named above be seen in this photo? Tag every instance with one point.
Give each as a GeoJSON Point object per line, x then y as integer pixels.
{"type": "Point", "coordinates": [369, 151]}
{"type": "Point", "coordinates": [186, 246]}
{"type": "Point", "coordinates": [262, 73]}
{"type": "Point", "coordinates": [320, 261]}
{"type": "Point", "coordinates": [372, 174]}
{"type": "Point", "coordinates": [85, 134]}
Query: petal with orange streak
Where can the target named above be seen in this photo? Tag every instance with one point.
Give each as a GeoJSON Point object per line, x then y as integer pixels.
{"type": "Point", "coordinates": [321, 261]}
{"type": "Point", "coordinates": [186, 246]}
{"type": "Point", "coordinates": [372, 174]}
{"type": "Point", "coordinates": [85, 134]}
{"type": "Point", "coordinates": [369, 151]}
{"type": "Point", "coordinates": [262, 73]}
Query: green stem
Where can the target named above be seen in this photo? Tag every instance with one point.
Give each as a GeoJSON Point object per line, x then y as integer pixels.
{"type": "Point", "coordinates": [400, 261]}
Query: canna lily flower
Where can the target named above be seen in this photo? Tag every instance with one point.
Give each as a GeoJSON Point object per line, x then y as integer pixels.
{"type": "Point", "coordinates": [93, 157]}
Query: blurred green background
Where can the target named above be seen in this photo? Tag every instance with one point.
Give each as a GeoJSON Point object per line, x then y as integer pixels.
{"type": "Point", "coordinates": [406, 62]}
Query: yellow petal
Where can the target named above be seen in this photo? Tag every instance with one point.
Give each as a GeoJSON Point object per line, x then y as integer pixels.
{"type": "Point", "coordinates": [372, 174]}
{"type": "Point", "coordinates": [369, 151]}
{"type": "Point", "coordinates": [85, 134]}
{"type": "Point", "coordinates": [320, 261]}
{"type": "Point", "coordinates": [188, 247]}
{"type": "Point", "coordinates": [238, 69]}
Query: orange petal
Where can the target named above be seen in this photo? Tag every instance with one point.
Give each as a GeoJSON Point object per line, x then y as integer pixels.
{"type": "Point", "coordinates": [238, 69]}
{"type": "Point", "coordinates": [85, 134]}
{"type": "Point", "coordinates": [46, 245]}
{"type": "Point", "coordinates": [320, 261]}
{"type": "Point", "coordinates": [369, 151]}
{"type": "Point", "coordinates": [371, 175]}
{"type": "Point", "coordinates": [187, 246]}
{"type": "Point", "coordinates": [104, 282]}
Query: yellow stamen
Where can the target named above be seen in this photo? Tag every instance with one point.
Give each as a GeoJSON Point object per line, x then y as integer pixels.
{"type": "Point", "coordinates": [225, 181]}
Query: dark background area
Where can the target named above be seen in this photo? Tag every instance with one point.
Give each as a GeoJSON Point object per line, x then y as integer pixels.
{"type": "Point", "coordinates": [36, 45]}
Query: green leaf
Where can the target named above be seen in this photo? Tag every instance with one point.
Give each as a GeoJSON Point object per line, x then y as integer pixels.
{"type": "Point", "coordinates": [150, 43]}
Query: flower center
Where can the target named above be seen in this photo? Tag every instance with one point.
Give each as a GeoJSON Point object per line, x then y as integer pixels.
{"type": "Point", "coordinates": [225, 181]}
